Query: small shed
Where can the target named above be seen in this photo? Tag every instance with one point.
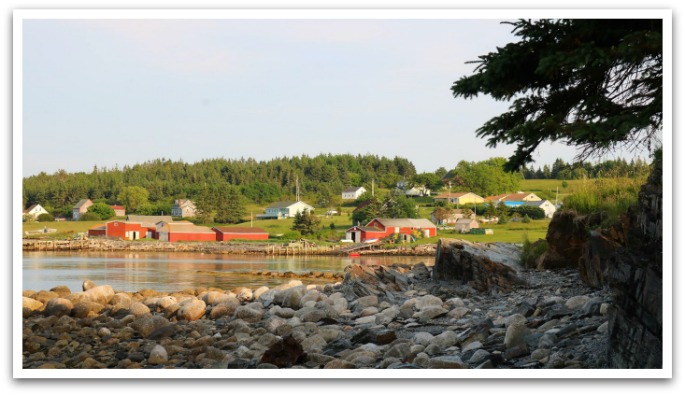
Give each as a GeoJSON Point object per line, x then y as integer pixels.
{"type": "Point", "coordinates": [464, 225]}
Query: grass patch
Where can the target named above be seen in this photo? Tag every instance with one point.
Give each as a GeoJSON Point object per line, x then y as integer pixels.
{"type": "Point", "coordinates": [611, 196]}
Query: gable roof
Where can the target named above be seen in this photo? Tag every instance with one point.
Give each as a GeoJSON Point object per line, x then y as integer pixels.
{"type": "Point", "coordinates": [82, 202]}
{"type": "Point", "coordinates": [405, 222]}
{"type": "Point", "coordinates": [285, 204]}
{"type": "Point", "coordinates": [116, 207]}
{"type": "Point", "coordinates": [238, 229]}
{"type": "Point", "coordinates": [352, 189]}
{"type": "Point", "coordinates": [148, 220]}
{"type": "Point", "coordinates": [453, 195]}
{"type": "Point", "coordinates": [183, 202]}
{"type": "Point", "coordinates": [465, 220]}
{"type": "Point", "coordinates": [516, 197]}
{"type": "Point", "coordinates": [496, 198]}
{"type": "Point", "coordinates": [31, 207]}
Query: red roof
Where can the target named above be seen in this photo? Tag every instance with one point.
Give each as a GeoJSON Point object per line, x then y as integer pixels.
{"type": "Point", "coordinates": [117, 207]}
{"type": "Point", "coordinates": [238, 229]}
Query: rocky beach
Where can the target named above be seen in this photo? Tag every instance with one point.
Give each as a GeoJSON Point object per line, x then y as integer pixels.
{"type": "Point", "coordinates": [473, 308]}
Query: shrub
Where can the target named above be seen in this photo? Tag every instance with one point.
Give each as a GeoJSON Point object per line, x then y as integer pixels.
{"type": "Point", "coordinates": [89, 217]}
{"type": "Point", "coordinates": [611, 196]}
{"type": "Point", "coordinates": [502, 219]}
{"type": "Point", "coordinates": [532, 251]}
{"type": "Point", "coordinates": [45, 217]}
{"type": "Point", "coordinates": [526, 219]}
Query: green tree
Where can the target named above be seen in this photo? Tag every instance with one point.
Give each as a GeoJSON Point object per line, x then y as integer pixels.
{"type": "Point", "coordinates": [133, 197]}
{"type": "Point", "coordinates": [103, 210]}
{"type": "Point", "coordinates": [486, 177]}
{"type": "Point", "coordinates": [592, 83]}
{"type": "Point", "coordinates": [306, 223]}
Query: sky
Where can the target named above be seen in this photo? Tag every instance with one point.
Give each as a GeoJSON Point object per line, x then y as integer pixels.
{"type": "Point", "coordinates": [117, 92]}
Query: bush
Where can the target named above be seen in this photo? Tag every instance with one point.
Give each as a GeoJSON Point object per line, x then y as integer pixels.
{"type": "Point", "coordinates": [532, 251]}
{"type": "Point", "coordinates": [45, 218]}
{"type": "Point", "coordinates": [502, 220]}
{"type": "Point", "coordinates": [292, 235]}
{"type": "Point", "coordinates": [611, 196]}
{"type": "Point", "coordinates": [89, 217]}
{"type": "Point", "coordinates": [531, 211]}
{"type": "Point", "coordinates": [526, 219]}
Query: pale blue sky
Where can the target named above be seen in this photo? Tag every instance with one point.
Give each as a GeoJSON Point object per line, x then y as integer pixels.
{"type": "Point", "coordinates": [106, 92]}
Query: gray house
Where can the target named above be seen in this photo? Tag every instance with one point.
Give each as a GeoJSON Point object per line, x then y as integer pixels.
{"type": "Point", "coordinates": [183, 208]}
{"type": "Point", "coordinates": [81, 208]}
{"type": "Point", "coordinates": [280, 210]}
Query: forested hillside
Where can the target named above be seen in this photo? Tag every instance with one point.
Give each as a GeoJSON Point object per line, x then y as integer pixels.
{"type": "Point", "coordinates": [321, 179]}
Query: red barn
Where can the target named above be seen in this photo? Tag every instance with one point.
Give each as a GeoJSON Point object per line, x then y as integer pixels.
{"type": "Point", "coordinates": [225, 233]}
{"type": "Point", "coordinates": [384, 227]}
{"type": "Point", "coordinates": [98, 230]}
{"type": "Point", "coordinates": [184, 231]}
{"type": "Point", "coordinates": [127, 230]}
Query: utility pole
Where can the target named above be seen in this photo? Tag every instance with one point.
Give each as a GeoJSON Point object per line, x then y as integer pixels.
{"type": "Point", "coordinates": [372, 187]}
{"type": "Point", "coordinates": [297, 188]}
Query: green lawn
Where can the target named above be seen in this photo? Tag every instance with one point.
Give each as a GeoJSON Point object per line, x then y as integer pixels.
{"type": "Point", "coordinates": [65, 229]}
{"type": "Point", "coordinates": [512, 232]}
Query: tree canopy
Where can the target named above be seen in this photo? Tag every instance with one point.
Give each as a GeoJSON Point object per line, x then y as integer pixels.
{"type": "Point", "coordinates": [592, 83]}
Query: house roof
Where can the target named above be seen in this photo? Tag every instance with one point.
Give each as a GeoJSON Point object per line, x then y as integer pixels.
{"type": "Point", "coordinates": [238, 229]}
{"type": "Point", "coordinates": [517, 197]}
{"type": "Point", "coordinates": [117, 207]}
{"type": "Point", "coordinates": [98, 227]}
{"type": "Point", "coordinates": [82, 202]}
{"type": "Point", "coordinates": [183, 227]}
{"type": "Point", "coordinates": [183, 202]}
{"type": "Point", "coordinates": [405, 222]}
{"type": "Point", "coordinates": [446, 195]}
{"type": "Point", "coordinates": [497, 197]}
{"type": "Point", "coordinates": [352, 189]}
{"type": "Point", "coordinates": [149, 220]}
{"type": "Point", "coordinates": [285, 204]}
{"type": "Point", "coordinates": [31, 207]}
{"type": "Point", "coordinates": [366, 228]}
{"type": "Point", "coordinates": [465, 220]}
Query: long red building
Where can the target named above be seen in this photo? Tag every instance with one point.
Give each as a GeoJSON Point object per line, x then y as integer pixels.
{"type": "Point", "coordinates": [379, 228]}
{"type": "Point", "coordinates": [225, 233]}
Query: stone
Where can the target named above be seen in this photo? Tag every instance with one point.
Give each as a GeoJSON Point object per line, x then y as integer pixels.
{"type": "Point", "coordinates": [339, 364]}
{"type": "Point", "coordinates": [422, 338]}
{"type": "Point", "coordinates": [366, 301]}
{"type": "Point", "coordinates": [447, 362]}
{"type": "Point", "coordinates": [84, 309]}
{"type": "Point", "coordinates": [484, 267]}
{"type": "Point", "coordinates": [445, 339]}
{"type": "Point", "coordinates": [101, 294]}
{"type": "Point", "coordinates": [192, 311]}
{"type": "Point", "coordinates": [455, 302]}
{"type": "Point", "coordinates": [87, 284]}
{"type": "Point", "coordinates": [284, 353]}
{"type": "Point", "coordinates": [158, 355]}
{"type": "Point", "coordinates": [420, 272]}
{"type": "Point", "coordinates": [604, 328]}
{"type": "Point", "coordinates": [249, 314]}
{"type": "Point", "coordinates": [427, 301]}
{"type": "Point", "coordinates": [374, 336]}
{"type": "Point", "coordinates": [139, 309]}
{"type": "Point", "coordinates": [458, 312]}
{"type": "Point", "coordinates": [576, 302]}
{"type": "Point", "coordinates": [539, 354]}
{"type": "Point", "coordinates": [31, 304]}
{"type": "Point", "coordinates": [58, 307]}
{"type": "Point", "coordinates": [429, 313]}
{"type": "Point", "coordinates": [479, 357]}
{"type": "Point", "coordinates": [516, 332]}
{"type": "Point", "coordinates": [399, 350]}
{"type": "Point", "coordinates": [474, 345]}
{"type": "Point", "coordinates": [369, 311]}
{"type": "Point", "coordinates": [310, 314]}
{"type": "Point", "coordinates": [604, 308]}
{"type": "Point", "coordinates": [313, 343]}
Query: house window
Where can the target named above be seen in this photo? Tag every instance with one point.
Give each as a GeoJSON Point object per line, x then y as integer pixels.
{"type": "Point", "coordinates": [116, 224]}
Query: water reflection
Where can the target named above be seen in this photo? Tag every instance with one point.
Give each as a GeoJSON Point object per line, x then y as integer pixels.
{"type": "Point", "coordinates": [175, 271]}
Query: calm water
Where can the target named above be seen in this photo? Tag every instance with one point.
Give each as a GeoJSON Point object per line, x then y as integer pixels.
{"type": "Point", "coordinates": [166, 272]}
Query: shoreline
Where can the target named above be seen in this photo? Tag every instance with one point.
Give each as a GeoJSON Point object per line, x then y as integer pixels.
{"type": "Point", "coordinates": [230, 248]}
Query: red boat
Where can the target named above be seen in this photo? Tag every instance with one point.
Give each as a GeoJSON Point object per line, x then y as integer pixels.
{"type": "Point", "coordinates": [353, 254]}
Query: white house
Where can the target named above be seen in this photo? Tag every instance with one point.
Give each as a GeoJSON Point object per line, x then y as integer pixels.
{"type": "Point", "coordinates": [352, 193]}
{"type": "Point", "coordinates": [281, 210]}
{"type": "Point", "coordinates": [464, 225]}
{"type": "Point", "coordinates": [183, 208]}
{"type": "Point", "coordinates": [546, 205]}
{"type": "Point", "coordinates": [34, 211]}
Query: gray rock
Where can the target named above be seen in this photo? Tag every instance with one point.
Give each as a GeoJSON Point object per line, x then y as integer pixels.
{"type": "Point", "coordinates": [366, 301]}
{"type": "Point", "coordinates": [428, 301]}
{"type": "Point", "coordinates": [576, 302]}
{"type": "Point", "coordinates": [313, 343]}
{"type": "Point", "coordinates": [58, 307]}
{"type": "Point", "coordinates": [447, 362]}
{"type": "Point", "coordinates": [248, 314]}
{"type": "Point", "coordinates": [474, 345]}
{"type": "Point", "coordinates": [445, 339]}
{"type": "Point", "coordinates": [458, 312]}
{"type": "Point", "coordinates": [479, 357]}
{"type": "Point", "coordinates": [515, 336]}
{"type": "Point", "coordinates": [428, 313]}
{"type": "Point", "coordinates": [158, 355]}
{"type": "Point", "coordinates": [604, 328]}
{"type": "Point", "coordinates": [422, 338]}
{"type": "Point", "coordinates": [399, 350]}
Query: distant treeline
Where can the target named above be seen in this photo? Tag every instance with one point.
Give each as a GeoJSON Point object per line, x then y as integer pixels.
{"type": "Point", "coordinates": [561, 170]}
{"type": "Point", "coordinates": [320, 178]}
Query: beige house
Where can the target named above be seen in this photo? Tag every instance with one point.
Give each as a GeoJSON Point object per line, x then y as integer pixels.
{"type": "Point", "coordinates": [450, 218]}
{"type": "Point", "coordinates": [465, 225]}
{"type": "Point", "coordinates": [459, 198]}
{"type": "Point", "coordinates": [81, 208]}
